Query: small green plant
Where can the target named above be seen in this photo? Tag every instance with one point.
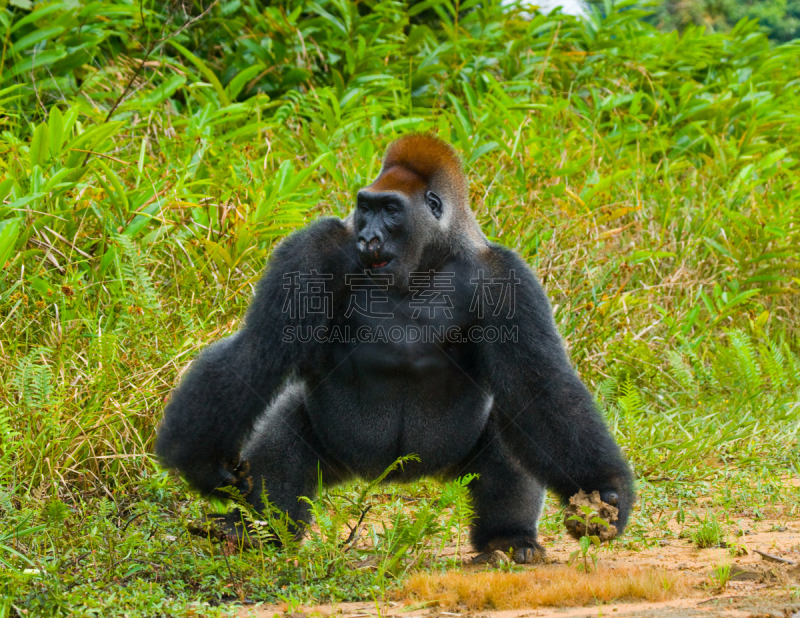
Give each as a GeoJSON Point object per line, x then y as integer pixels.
{"type": "Point", "coordinates": [721, 575]}
{"type": "Point", "coordinates": [736, 549]}
{"type": "Point", "coordinates": [589, 543]}
{"type": "Point", "coordinates": [709, 532]}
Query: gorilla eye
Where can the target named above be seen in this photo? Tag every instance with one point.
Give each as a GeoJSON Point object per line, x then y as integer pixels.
{"type": "Point", "coordinates": [391, 209]}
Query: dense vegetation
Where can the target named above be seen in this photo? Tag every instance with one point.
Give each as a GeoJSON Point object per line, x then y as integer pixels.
{"type": "Point", "coordinates": [152, 154]}
{"type": "Point", "coordinates": [779, 19]}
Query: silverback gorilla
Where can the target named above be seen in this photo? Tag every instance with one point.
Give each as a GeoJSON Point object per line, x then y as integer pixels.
{"type": "Point", "coordinates": [399, 330]}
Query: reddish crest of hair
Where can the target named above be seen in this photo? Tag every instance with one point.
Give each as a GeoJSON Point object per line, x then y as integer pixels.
{"type": "Point", "coordinates": [398, 178]}
{"type": "Point", "coordinates": [429, 159]}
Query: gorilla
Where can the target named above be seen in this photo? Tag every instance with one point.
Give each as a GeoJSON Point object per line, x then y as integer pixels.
{"type": "Point", "coordinates": [398, 330]}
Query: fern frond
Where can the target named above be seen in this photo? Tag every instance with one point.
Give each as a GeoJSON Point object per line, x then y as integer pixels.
{"type": "Point", "coordinates": [746, 361]}
{"type": "Point", "coordinates": [681, 370]}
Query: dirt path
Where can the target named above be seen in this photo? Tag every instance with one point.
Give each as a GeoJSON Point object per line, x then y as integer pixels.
{"type": "Point", "coordinates": [759, 589]}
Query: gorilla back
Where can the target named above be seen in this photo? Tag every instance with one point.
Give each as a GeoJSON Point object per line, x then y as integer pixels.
{"type": "Point", "coordinates": [399, 330]}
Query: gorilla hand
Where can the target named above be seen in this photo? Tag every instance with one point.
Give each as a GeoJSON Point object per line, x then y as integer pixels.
{"type": "Point", "coordinates": [602, 505]}
{"type": "Point", "coordinates": [213, 478]}
{"type": "Point", "coordinates": [242, 479]}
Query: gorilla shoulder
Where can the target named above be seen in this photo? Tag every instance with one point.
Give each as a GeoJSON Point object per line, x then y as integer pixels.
{"type": "Point", "coordinates": [319, 245]}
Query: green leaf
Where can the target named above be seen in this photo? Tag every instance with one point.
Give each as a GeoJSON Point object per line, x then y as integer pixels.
{"type": "Point", "coordinates": [44, 59]}
{"type": "Point", "coordinates": [159, 94]}
{"type": "Point", "coordinates": [43, 287]}
{"type": "Point", "coordinates": [34, 37]}
{"type": "Point", "coordinates": [143, 218]}
{"type": "Point", "coordinates": [40, 146]}
{"type": "Point", "coordinates": [201, 66]}
{"type": "Point", "coordinates": [9, 232]}
{"type": "Point", "coordinates": [235, 86]}
{"type": "Point", "coordinates": [5, 188]}
{"type": "Point", "coordinates": [119, 191]}
{"type": "Point", "coordinates": [91, 139]}
{"type": "Point", "coordinates": [56, 130]}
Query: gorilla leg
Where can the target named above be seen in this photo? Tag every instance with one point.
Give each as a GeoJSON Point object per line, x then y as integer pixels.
{"type": "Point", "coordinates": [507, 501]}
{"type": "Point", "coordinates": [284, 457]}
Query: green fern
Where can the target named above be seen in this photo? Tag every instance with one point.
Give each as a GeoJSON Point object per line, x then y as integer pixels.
{"type": "Point", "coordinates": [606, 389]}
{"type": "Point", "coordinates": [629, 400]}
{"type": "Point", "coordinates": [33, 381]}
{"type": "Point", "coordinates": [792, 366]}
{"type": "Point", "coordinates": [142, 292]}
{"type": "Point", "coordinates": [746, 361]}
{"type": "Point", "coordinates": [8, 447]}
{"type": "Point", "coordinates": [682, 371]}
{"type": "Point", "coordinates": [774, 364]}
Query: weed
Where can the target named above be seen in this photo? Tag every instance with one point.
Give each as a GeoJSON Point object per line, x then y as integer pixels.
{"type": "Point", "coordinates": [589, 543]}
{"type": "Point", "coordinates": [708, 533]}
{"type": "Point", "coordinates": [721, 575]}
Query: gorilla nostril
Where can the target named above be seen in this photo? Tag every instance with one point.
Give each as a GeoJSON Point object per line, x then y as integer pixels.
{"type": "Point", "coordinates": [374, 244]}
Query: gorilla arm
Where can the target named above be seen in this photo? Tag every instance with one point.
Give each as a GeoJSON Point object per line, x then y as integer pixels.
{"type": "Point", "coordinates": [225, 390]}
{"type": "Point", "coordinates": [546, 414]}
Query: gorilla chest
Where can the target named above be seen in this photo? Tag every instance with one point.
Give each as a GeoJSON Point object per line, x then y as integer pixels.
{"type": "Point", "coordinates": [409, 383]}
{"type": "Point", "coordinates": [408, 340]}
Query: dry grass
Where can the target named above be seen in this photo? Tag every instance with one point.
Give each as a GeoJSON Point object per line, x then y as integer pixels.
{"type": "Point", "coordinates": [545, 586]}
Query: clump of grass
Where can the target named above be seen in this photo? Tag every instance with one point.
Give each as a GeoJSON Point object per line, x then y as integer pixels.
{"type": "Point", "coordinates": [721, 575]}
{"type": "Point", "coordinates": [709, 533]}
{"type": "Point", "coordinates": [554, 586]}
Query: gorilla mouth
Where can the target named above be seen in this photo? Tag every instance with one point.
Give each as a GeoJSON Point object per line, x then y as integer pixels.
{"type": "Point", "coordinates": [375, 262]}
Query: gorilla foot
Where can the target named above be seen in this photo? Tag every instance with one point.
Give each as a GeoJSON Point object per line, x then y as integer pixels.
{"type": "Point", "coordinates": [522, 549]}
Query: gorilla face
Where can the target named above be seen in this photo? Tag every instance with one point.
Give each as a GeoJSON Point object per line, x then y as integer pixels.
{"type": "Point", "coordinates": [384, 226]}
{"type": "Point", "coordinates": [396, 218]}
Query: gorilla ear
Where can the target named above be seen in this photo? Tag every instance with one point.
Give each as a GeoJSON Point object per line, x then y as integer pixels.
{"type": "Point", "coordinates": [435, 203]}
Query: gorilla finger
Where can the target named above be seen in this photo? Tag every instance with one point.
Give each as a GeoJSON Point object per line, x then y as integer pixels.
{"type": "Point", "coordinates": [610, 497]}
{"type": "Point", "coordinates": [528, 555]}
{"type": "Point", "coordinates": [482, 558]}
{"type": "Point", "coordinates": [246, 486]}
{"type": "Point", "coordinates": [226, 479]}
{"type": "Point", "coordinates": [523, 555]}
{"type": "Point", "coordinates": [242, 469]}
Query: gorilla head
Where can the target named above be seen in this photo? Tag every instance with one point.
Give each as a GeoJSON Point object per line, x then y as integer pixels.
{"type": "Point", "coordinates": [417, 204]}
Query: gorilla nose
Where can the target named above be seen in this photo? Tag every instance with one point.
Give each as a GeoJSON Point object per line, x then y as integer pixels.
{"type": "Point", "coordinates": [369, 246]}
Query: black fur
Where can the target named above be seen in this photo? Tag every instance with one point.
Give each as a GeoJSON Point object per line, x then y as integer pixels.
{"type": "Point", "coordinates": [515, 413]}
